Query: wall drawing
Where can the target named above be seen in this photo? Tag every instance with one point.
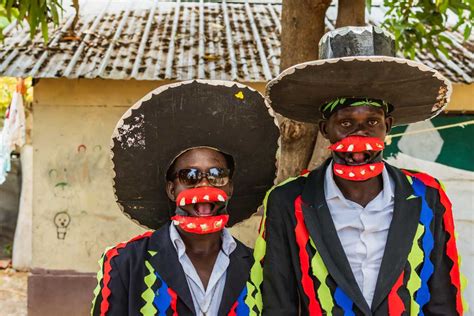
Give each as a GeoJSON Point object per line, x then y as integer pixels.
{"type": "Point", "coordinates": [62, 221]}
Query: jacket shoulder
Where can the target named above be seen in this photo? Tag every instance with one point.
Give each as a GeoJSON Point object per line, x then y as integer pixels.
{"type": "Point", "coordinates": [288, 189]}
{"type": "Point", "coordinates": [135, 247]}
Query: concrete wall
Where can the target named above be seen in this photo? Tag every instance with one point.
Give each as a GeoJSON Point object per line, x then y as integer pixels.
{"type": "Point", "coordinates": [75, 216]}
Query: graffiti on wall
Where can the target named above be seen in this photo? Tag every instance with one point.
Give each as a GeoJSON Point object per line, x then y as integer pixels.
{"type": "Point", "coordinates": [62, 221]}
{"type": "Point", "coordinates": [72, 176]}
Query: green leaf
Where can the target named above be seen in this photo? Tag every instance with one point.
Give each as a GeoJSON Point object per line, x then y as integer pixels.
{"type": "Point", "coordinates": [467, 32]}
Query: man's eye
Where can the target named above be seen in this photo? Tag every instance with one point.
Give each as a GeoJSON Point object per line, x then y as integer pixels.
{"type": "Point", "coordinates": [345, 124]}
{"type": "Point", "coordinates": [373, 122]}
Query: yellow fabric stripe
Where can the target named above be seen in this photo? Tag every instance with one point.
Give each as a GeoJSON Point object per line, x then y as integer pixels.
{"type": "Point", "coordinates": [415, 258]}
{"type": "Point", "coordinates": [149, 295]}
{"type": "Point", "coordinates": [254, 296]}
{"type": "Point", "coordinates": [321, 273]}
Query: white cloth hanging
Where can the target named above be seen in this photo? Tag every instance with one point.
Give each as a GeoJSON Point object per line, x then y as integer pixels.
{"type": "Point", "coordinates": [13, 133]}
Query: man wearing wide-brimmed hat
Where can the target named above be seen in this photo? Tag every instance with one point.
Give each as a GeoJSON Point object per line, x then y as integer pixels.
{"type": "Point", "coordinates": [357, 236]}
{"type": "Point", "coordinates": [190, 159]}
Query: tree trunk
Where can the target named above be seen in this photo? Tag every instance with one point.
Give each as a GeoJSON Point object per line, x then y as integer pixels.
{"type": "Point", "coordinates": [349, 13]}
{"type": "Point", "coordinates": [302, 26]}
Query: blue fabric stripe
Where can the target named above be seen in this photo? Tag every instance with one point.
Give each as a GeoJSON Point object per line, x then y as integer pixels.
{"type": "Point", "coordinates": [344, 302]}
{"type": "Point", "coordinates": [426, 216]}
{"type": "Point", "coordinates": [162, 299]}
{"type": "Point", "coordinates": [242, 309]}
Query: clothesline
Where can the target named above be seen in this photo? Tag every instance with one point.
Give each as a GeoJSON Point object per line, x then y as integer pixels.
{"type": "Point", "coordinates": [425, 130]}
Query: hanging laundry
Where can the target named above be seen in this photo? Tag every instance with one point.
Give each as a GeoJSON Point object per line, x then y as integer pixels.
{"type": "Point", "coordinates": [14, 132]}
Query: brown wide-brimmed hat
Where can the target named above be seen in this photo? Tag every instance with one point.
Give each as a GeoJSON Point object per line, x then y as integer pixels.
{"type": "Point", "coordinates": [359, 62]}
{"type": "Point", "coordinates": [224, 115]}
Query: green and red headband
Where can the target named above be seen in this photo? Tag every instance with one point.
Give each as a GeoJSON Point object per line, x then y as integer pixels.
{"type": "Point", "coordinates": [328, 108]}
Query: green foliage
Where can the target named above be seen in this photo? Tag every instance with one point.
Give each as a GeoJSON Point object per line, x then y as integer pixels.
{"type": "Point", "coordinates": [419, 24]}
{"type": "Point", "coordinates": [7, 87]}
{"type": "Point", "coordinates": [37, 13]}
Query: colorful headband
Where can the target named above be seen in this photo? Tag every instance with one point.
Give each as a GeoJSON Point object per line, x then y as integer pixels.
{"type": "Point", "coordinates": [328, 108]}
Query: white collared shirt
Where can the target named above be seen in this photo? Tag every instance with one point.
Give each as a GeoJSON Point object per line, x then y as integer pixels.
{"type": "Point", "coordinates": [362, 230]}
{"type": "Point", "coordinates": [209, 299]}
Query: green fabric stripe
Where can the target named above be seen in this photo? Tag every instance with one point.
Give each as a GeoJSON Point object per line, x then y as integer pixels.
{"type": "Point", "coordinates": [149, 295]}
{"type": "Point", "coordinates": [321, 273]}
{"type": "Point", "coordinates": [415, 258]}
{"type": "Point", "coordinates": [254, 296]}
{"type": "Point", "coordinates": [100, 276]}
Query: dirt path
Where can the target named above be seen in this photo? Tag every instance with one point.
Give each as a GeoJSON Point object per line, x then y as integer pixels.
{"type": "Point", "coordinates": [12, 292]}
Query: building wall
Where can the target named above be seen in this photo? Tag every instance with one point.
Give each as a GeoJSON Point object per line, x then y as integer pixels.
{"type": "Point", "coordinates": [75, 216]}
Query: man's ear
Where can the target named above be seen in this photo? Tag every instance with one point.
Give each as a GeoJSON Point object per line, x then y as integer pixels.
{"type": "Point", "coordinates": [323, 128]}
{"type": "Point", "coordinates": [170, 190]}
{"type": "Point", "coordinates": [388, 124]}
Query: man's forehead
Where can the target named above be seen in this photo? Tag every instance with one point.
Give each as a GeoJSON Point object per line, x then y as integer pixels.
{"type": "Point", "coordinates": [358, 110]}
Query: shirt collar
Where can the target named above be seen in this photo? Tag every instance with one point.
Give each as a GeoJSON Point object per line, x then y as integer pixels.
{"type": "Point", "coordinates": [332, 190]}
{"type": "Point", "coordinates": [228, 242]}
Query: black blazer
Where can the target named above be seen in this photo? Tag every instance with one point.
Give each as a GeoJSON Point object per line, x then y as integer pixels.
{"type": "Point", "coordinates": [318, 273]}
{"type": "Point", "coordinates": [144, 276]}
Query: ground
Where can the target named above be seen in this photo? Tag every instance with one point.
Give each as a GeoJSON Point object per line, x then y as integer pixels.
{"type": "Point", "coordinates": [12, 292]}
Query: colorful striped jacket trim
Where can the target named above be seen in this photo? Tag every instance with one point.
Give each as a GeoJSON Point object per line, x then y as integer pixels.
{"type": "Point", "coordinates": [158, 298]}
{"type": "Point", "coordinates": [313, 269]}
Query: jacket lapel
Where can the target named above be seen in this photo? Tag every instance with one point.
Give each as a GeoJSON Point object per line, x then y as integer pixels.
{"type": "Point", "coordinates": [236, 278]}
{"type": "Point", "coordinates": [323, 232]}
{"type": "Point", "coordinates": [405, 219]}
{"type": "Point", "coordinates": [167, 264]}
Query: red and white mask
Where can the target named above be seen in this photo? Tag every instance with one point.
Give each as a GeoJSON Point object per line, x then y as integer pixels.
{"type": "Point", "coordinates": [357, 158]}
{"type": "Point", "coordinates": [204, 201]}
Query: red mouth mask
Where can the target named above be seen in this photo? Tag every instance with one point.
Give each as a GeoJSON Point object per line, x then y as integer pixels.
{"type": "Point", "coordinates": [204, 199]}
{"type": "Point", "coordinates": [358, 146]}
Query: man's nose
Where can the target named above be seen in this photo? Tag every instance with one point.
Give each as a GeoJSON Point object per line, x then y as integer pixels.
{"type": "Point", "coordinates": [361, 130]}
{"type": "Point", "coordinates": [204, 182]}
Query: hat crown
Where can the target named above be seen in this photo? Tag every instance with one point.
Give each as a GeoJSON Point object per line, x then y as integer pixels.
{"type": "Point", "coordinates": [356, 41]}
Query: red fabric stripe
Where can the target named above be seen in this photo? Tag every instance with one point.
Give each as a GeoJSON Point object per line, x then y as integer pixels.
{"type": "Point", "coordinates": [104, 305]}
{"type": "Point", "coordinates": [302, 238]}
{"type": "Point", "coordinates": [174, 301]}
{"type": "Point", "coordinates": [232, 310]}
{"type": "Point", "coordinates": [451, 249]}
{"type": "Point", "coordinates": [395, 303]}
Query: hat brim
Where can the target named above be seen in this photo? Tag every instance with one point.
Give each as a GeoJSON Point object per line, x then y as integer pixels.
{"type": "Point", "coordinates": [230, 117]}
{"type": "Point", "coordinates": [416, 91]}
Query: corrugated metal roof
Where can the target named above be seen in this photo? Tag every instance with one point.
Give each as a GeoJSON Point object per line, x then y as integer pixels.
{"type": "Point", "coordinates": [152, 40]}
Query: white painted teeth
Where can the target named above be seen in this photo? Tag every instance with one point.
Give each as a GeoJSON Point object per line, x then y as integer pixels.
{"type": "Point", "coordinates": [340, 146]}
{"type": "Point", "coordinates": [191, 225]}
{"type": "Point", "coordinates": [218, 224]}
{"type": "Point", "coordinates": [204, 227]}
{"type": "Point", "coordinates": [206, 197]}
{"type": "Point", "coordinates": [352, 175]}
{"type": "Point", "coordinates": [176, 222]}
{"type": "Point", "coordinates": [368, 147]}
{"type": "Point", "coordinates": [220, 198]}
{"type": "Point", "coordinates": [362, 172]}
{"type": "Point", "coordinates": [350, 148]}
{"type": "Point", "coordinates": [182, 202]}
{"type": "Point", "coordinates": [194, 200]}
{"type": "Point", "coordinates": [379, 146]}
{"type": "Point", "coordinates": [339, 171]}
{"type": "Point", "coordinates": [372, 167]}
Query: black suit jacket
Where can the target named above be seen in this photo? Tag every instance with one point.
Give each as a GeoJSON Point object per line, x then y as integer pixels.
{"type": "Point", "coordinates": [304, 266]}
{"type": "Point", "coordinates": [145, 277]}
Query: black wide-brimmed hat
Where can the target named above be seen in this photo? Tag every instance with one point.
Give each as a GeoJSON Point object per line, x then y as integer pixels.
{"type": "Point", "coordinates": [359, 62]}
{"type": "Point", "coordinates": [224, 115]}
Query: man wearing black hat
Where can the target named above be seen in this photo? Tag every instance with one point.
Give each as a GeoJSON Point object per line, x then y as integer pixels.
{"type": "Point", "coordinates": [357, 236]}
{"type": "Point", "coordinates": [176, 171]}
